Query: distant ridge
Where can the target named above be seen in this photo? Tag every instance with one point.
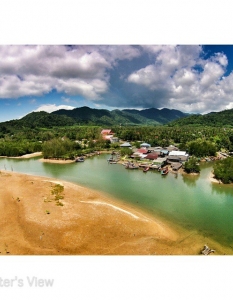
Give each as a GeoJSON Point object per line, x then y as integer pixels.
{"type": "Point", "coordinates": [222, 118]}
{"type": "Point", "coordinates": [99, 117]}
{"type": "Point", "coordinates": [148, 116]}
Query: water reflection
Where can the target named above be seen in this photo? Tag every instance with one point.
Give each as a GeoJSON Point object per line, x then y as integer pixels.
{"type": "Point", "coordinates": [220, 189]}
{"type": "Point", "coordinates": [190, 180]}
{"type": "Point", "coordinates": [54, 170]}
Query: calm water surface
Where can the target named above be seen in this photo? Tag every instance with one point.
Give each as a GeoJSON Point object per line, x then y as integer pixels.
{"type": "Point", "coordinates": [191, 201]}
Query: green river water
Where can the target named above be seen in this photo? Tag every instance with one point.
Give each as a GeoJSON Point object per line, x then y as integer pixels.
{"type": "Point", "coordinates": [193, 202]}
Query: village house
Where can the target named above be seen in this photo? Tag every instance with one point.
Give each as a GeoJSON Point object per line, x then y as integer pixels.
{"type": "Point", "coordinates": [114, 139]}
{"type": "Point", "coordinates": [145, 145]}
{"type": "Point", "coordinates": [107, 134]}
{"type": "Point", "coordinates": [152, 156]}
{"type": "Point", "coordinates": [126, 144]}
{"type": "Point", "coordinates": [176, 166]}
{"type": "Point", "coordinates": [164, 152]}
{"type": "Point", "coordinates": [140, 153]}
{"type": "Point", "coordinates": [172, 148]}
{"type": "Point", "coordinates": [177, 156]}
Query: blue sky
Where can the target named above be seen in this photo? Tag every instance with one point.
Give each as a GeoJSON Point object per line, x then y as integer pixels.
{"type": "Point", "coordinates": [190, 78]}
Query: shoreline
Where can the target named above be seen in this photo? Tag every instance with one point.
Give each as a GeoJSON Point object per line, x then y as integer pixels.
{"type": "Point", "coordinates": [96, 219]}
{"type": "Point", "coordinates": [56, 161]}
{"type": "Point", "coordinates": [213, 179]}
{"type": "Point", "coordinates": [88, 222]}
{"type": "Point", "coordinates": [34, 154]}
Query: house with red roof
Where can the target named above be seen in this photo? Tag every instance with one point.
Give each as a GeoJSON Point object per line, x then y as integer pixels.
{"type": "Point", "coordinates": [152, 156]}
{"type": "Point", "coordinates": [107, 134]}
{"type": "Point", "coordinates": [140, 153]}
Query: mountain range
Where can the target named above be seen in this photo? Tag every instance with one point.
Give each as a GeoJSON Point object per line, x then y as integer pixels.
{"type": "Point", "coordinates": [102, 117]}
{"type": "Point", "coordinates": [151, 116]}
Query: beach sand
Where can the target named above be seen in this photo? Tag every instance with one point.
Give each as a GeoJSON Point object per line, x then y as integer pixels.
{"type": "Point", "coordinates": [213, 179]}
{"type": "Point", "coordinates": [34, 154]}
{"type": "Point", "coordinates": [88, 223]}
{"type": "Point", "coordinates": [56, 161]}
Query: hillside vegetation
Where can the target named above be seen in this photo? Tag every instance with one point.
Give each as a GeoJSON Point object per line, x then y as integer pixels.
{"type": "Point", "coordinates": [93, 117]}
{"type": "Point", "coordinates": [66, 136]}
{"type": "Point", "coordinates": [151, 116]}
{"type": "Point", "coordinates": [222, 118]}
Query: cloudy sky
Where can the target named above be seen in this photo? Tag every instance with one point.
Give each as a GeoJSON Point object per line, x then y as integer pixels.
{"type": "Point", "coordinates": [190, 78]}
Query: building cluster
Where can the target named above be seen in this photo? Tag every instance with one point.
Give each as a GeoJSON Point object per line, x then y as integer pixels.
{"type": "Point", "coordinates": [167, 155]}
{"type": "Point", "coordinates": [158, 155]}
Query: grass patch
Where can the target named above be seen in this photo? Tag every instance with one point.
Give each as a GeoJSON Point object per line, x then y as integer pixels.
{"type": "Point", "coordinates": [57, 193]}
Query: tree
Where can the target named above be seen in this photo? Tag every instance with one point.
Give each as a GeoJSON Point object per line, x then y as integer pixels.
{"type": "Point", "coordinates": [223, 170]}
{"type": "Point", "coordinates": [126, 151]}
{"type": "Point", "coordinates": [192, 166]}
{"type": "Point", "coordinates": [201, 148]}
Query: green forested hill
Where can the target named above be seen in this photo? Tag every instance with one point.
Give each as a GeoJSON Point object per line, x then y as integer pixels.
{"type": "Point", "coordinates": [90, 116]}
{"type": "Point", "coordinates": [151, 116]}
{"type": "Point", "coordinates": [222, 118]}
{"type": "Point", "coordinates": [104, 117]}
{"type": "Point", "coordinates": [39, 119]}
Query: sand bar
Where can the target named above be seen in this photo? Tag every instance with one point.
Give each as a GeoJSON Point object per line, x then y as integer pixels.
{"type": "Point", "coordinates": [85, 222]}
{"type": "Point", "coordinates": [56, 161]}
{"type": "Point", "coordinates": [34, 154]}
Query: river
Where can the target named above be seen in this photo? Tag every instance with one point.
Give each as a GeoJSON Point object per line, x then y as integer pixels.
{"type": "Point", "coordinates": [191, 201]}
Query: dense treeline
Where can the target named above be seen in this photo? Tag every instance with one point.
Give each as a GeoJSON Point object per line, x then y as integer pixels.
{"type": "Point", "coordinates": [66, 149]}
{"type": "Point", "coordinates": [201, 148]}
{"type": "Point", "coordinates": [200, 141]}
{"type": "Point", "coordinates": [10, 148]}
{"type": "Point", "coordinates": [217, 119]}
{"type": "Point", "coordinates": [17, 142]}
{"type": "Point", "coordinates": [197, 141]}
{"type": "Point", "coordinates": [223, 170]}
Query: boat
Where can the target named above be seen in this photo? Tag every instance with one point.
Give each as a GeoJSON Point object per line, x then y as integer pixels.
{"type": "Point", "coordinates": [111, 160]}
{"type": "Point", "coordinates": [131, 166]}
{"type": "Point", "coordinates": [164, 171]}
{"type": "Point", "coordinates": [146, 169]}
{"type": "Point", "coordinates": [79, 159]}
{"type": "Point", "coordinates": [154, 167]}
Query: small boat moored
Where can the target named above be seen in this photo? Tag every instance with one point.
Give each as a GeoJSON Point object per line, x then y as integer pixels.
{"type": "Point", "coordinates": [164, 171]}
{"type": "Point", "coordinates": [146, 169]}
{"type": "Point", "coordinates": [131, 166]}
{"type": "Point", "coordinates": [79, 159]}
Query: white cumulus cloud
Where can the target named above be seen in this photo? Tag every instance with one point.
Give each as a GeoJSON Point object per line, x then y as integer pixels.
{"type": "Point", "coordinates": [181, 77]}
{"type": "Point", "coordinates": [53, 107]}
{"type": "Point", "coordinates": [36, 70]}
{"type": "Point", "coordinates": [186, 80]}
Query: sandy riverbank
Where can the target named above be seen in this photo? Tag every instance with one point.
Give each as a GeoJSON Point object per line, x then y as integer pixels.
{"type": "Point", "coordinates": [34, 154]}
{"type": "Point", "coordinates": [89, 222]}
{"type": "Point", "coordinates": [213, 179]}
{"type": "Point", "coordinates": [57, 161]}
